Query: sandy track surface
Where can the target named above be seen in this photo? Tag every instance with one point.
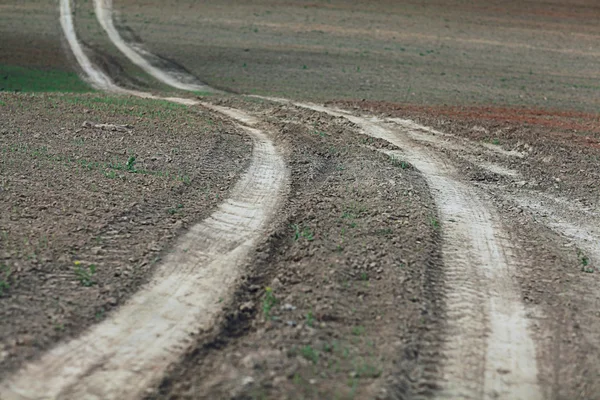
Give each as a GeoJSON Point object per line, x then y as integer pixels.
{"type": "Point", "coordinates": [147, 334]}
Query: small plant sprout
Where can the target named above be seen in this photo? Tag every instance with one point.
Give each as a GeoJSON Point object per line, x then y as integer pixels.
{"type": "Point", "coordinates": [302, 233]}
{"type": "Point", "coordinates": [310, 354]}
{"type": "Point", "coordinates": [434, 222]}
{"type": "Point", "coordinates": [398, 163]}
{"type": "Point", "coordinates": [358, 330]}
{"type": "Point", "coordinates": [85, 274]}
{"type": "Point", "coordinates": [310, 319]}
{"type": "Point", "coordinates": [4, 277]}
{"type": "Point", "coordinates": [269, 302]}
{"type": "Point", "coordinates": [585, 262]}
{"type": "Point", "coordinates": [131, 164]}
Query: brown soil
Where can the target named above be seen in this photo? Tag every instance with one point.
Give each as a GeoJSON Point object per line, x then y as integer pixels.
{"type": "Point", "coordinates": [434, 52]}
{"type": "Point", "coordinates": [69, 202]}
{"type": "Point", "coordinates": [344, 297]}
{"type": "Point", "coordinates": [31, 35]}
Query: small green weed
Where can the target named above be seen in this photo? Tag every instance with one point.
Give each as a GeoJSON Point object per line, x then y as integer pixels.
{"type": "Point", "coordinates": [175, 210]}
{"type": "Point", "coordinates": [85, 275]}
{"type": "Point", "coordinates": [269, 301]}
{"type": "Point", "coordinates": [366, 370]}
{"type": "Point", "coordinates": [396, 162]}
{"type": "Point", "coordinates": [358, 330]}
{"type": "Point", "coordinates": [302, 232]}
{"type": "Point", "coordinates": [5, 275]}
{"type": "Point", "coordinates": [99, 316]}
{"type": "Point", "coordinates": [310, 319]}
{"type": "Point", "coordinates": [585, 262]}
{"type": "Point", "coordinates": [131, 164]}
{"type": "Point", "coordinates": [310, 354]}
{"type": "Point", "coordinates": [434, 222]}
{"type": "Point", "coordinates": [384, 232]}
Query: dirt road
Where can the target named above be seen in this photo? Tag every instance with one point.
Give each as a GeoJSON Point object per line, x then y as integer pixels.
{"type": "Point", "coordinates": [358, 246]}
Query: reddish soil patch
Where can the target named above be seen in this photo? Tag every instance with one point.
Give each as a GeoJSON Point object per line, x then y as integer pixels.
{"type": "Point", "coordinates": [570, 125]}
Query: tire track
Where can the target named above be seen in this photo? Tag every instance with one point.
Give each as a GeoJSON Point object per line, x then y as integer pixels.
{"type": "Point", "coordinates": [141, 57]}
{"type": "Point", "coordinates": [488, 352]}
{"type": "Point", "coordinates": [122, 356]}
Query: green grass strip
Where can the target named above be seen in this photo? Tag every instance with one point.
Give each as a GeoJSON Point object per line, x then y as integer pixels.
{"type": "Point", "coordinates": [21, 79]}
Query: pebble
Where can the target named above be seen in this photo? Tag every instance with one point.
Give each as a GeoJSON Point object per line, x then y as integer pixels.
{"type": "Point", "coordinates": [247, 381]}
{"type": "Point", "coordinates": [96, 250]}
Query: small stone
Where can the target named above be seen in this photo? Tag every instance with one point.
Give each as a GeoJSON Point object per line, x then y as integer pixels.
{"type": "Point", "coordinates": [247, 306]}
{"type": "Point", "coordinates": [288, 307]}
{"type": "Point", "coordinates": [276, 284]}
{"type": "Point", "coordinates": [247, 381]}
{"type": "Point", "coordinates": [24, 340]}
{"type": "Point", "coordinates": [96, 250]}
{"type": "Point", "coordinates": [112, 301]}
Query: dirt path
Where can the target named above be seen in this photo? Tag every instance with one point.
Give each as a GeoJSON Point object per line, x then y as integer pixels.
{"type": "Point", "coordinates": [489, 352]}
{"type": "Point", "coordinates": [147, 334]}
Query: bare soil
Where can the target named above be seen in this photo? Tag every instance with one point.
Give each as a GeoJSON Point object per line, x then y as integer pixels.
{"type": "Point", "coordinates": [434, 52]}
{"type": "Point", "coordinates": [31, 36]}
{"type": "Point", "coordinates": [87, 211]}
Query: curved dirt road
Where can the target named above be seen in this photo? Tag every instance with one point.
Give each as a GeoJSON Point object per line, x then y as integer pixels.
{"type": "Point", "coordinates": [486, 319]}
{"type": "Point", "coordinates": [120, 357]}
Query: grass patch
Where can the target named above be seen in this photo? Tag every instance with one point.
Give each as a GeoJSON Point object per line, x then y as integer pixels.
{"type": "Point", "coordinates": [21, 79]}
